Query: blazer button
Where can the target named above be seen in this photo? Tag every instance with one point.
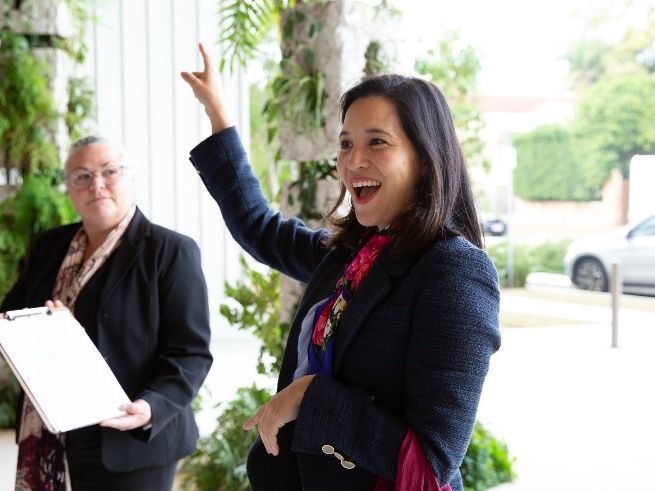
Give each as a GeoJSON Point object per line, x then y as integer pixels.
{"type": "Point", "coordinates": [327, 449]}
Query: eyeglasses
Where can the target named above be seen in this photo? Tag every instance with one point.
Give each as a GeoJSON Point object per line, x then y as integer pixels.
{"type": "Point", "coordinates": [82, 178]}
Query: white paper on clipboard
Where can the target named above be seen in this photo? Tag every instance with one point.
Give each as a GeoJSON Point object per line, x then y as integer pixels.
{"type": "Point", "coordinates": [60, 369]}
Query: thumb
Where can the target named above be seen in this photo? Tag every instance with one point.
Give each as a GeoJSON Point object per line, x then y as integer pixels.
{"type": "Point", "coordinates": [248, 425]}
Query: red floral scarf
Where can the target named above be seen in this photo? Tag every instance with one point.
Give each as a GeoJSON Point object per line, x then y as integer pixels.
{"type": "Point", "coordinates": [321, 346]}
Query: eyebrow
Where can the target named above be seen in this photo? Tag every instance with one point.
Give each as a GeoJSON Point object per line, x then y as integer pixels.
{"type": "Point", "coordinates": [101, 165]}
{"type": "Point", "coordinates": [369, 131]}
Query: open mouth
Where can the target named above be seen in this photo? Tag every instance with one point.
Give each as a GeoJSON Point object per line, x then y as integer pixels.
{"type": "Point", "coordinates": [365, 190]}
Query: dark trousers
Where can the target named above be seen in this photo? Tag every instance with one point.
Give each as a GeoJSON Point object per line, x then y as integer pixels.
{"type": "Point", "coordinates": [87, 473]}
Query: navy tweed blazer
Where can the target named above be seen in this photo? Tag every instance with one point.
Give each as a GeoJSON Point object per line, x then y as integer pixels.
{"type": "Point", "coordinates": [412, 349]}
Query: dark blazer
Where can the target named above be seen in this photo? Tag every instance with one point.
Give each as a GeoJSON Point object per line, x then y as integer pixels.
{"type": "Point", "coordinates": [412, 348]}
{"type": "Point", "coordinates": [146, 310]}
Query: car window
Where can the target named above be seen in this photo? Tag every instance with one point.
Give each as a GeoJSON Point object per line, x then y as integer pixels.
{"type": "Point", "coordinates": [646, 227]}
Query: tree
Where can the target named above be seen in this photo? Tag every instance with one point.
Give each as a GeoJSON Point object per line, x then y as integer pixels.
{"type": "Point", "coordinates": [454, 68]}
{"type": "Point", "coordinates": [614, 121]}
{"type": "Point", "coordinates": [548, 166]}
{"type": "Point", "coordinates": [591, 60]}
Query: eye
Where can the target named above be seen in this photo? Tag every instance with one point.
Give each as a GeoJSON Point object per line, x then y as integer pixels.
{"type": "Point", "coordinates": [81, 178]}
{"type": "Point", "coordinates": [110, 172]}
{"type": "Point", "coordinates": [345, 144]}
{"type": "Point", "coordinates": [377, 141]}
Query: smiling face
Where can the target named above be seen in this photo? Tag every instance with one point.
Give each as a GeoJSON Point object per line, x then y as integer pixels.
{"type": "Point", "coordinates": [101, 205]}
{"type": "Point", "coordinates": [377, 162]}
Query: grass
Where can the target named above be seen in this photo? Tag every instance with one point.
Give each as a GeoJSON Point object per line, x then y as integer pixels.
{"type": "Point", "coordinates": [543, 317]}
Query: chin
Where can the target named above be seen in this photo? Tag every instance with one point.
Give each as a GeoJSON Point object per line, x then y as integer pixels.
{"type": "Point", "coordinates": [367, 222]}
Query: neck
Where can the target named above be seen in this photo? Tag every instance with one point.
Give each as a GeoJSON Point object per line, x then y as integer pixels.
{"type": "Point", "coordinates": [96, 238]}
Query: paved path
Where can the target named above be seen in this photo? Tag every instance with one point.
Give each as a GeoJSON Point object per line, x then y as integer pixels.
{"type": "Point", "coordinates": [576, 413]}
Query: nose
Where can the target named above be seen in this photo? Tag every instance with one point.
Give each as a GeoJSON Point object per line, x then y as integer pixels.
{"type": "Point", "coordinates": [97, 181]}
{"type": "Point", "coordinates": [357, 158]}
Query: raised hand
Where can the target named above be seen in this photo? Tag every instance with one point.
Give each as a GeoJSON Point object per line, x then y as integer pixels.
{"type": "Point", "coordinates": [206, 89]}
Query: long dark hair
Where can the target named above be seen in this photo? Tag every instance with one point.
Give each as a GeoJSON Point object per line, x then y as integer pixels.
{"type": "Point", "coordinates": [445, 205]}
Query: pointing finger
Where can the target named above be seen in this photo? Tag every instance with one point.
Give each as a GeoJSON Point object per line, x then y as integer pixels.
{"type": "Point", "coordinates": [205, 58]}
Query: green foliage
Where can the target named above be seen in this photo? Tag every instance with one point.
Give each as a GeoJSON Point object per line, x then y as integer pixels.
{"type": "Point", "coordinates": [586, 64]}
{"type": "Point", "coordinates": [311, 172]}
{"type": "Point", "coordinates": [454, 69]}
{"type": "Point", "coordinates": [80, 106]}
{"type": "Point", "coordinates": [487, 461]}
{"type": "Point", "coordinates": [614, 122]}
{"type": "Point", "coordinates": [37, 206]}
{"type": "Point", "coordinates": [271, 170]}
{"type": "Point", "coordinates": [547, 258]}
{"type": "Point", "coordinates": [298, 93]}
{"type": "Point", "coordinates": [219, 462]}
{"type": "Point", "coordinates": [548, 166]}
{"type": "Point", "coordinates": [617, 85]}
{"type": "Point", "coordinates": [377, 61]}
{"type": "Point", "coordinates": [27, 112]}
{"type": "Point", "coordinates": [8, 398]}
{"type": "Point", "coordinates": [592, 60]}
{"type": "Point", "coordinates": [243, 26]}
{"type": "Point", "coordinates": [258, 311]}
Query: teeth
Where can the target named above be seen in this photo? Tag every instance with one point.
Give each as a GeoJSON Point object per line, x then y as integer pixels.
{"type": "Point", "coordinates": [361, 184]}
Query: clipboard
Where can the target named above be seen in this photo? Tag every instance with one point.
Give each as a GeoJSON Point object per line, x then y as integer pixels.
{"type": "Point", "coordinates": [59, 368]}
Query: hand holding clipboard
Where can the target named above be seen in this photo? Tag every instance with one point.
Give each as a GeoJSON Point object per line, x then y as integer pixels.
{"type": "Point", "coordinates": [59, 368]}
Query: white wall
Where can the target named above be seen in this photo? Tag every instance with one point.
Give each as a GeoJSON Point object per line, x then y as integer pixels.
{"type": "Point", "coordinates": [642, 177]}
{"type": "Point", "coordinates": [137, 48]}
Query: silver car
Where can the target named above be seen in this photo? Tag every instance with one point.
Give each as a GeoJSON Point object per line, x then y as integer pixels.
{"type": "Point", "coordinates": [588, 261]}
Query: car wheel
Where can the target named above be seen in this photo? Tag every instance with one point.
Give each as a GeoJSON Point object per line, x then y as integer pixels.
{"type": "Point", "coordinates": [589, 274]}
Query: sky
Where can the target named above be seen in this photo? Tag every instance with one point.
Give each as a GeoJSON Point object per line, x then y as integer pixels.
{"type": "Point", "coordinates": [521, 42]}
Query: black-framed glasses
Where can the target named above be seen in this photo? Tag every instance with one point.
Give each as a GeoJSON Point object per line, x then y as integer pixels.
{"type": "Point", "coordinates": [82, 178]}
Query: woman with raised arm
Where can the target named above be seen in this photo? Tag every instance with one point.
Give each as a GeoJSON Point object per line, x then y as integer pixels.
{"type": "Point", "coordinates": [390, 346]}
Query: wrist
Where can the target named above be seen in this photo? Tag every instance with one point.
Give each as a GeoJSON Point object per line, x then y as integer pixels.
{"type": "Point", "coordinates": [218, 119]}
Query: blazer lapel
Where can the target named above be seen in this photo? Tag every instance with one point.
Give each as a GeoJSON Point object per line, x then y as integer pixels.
{"type": "Point", "coordinates": [44, 281]}
{"type": "Point", "coordinates": [126, 254]}
{"type": "Point", "coordinates": [320, 287]}
{"type": "Point", "coordinates": [373, 289]}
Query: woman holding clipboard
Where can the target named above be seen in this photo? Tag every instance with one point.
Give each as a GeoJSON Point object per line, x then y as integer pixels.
{"type": "Point", "coordinates": [139, 291]}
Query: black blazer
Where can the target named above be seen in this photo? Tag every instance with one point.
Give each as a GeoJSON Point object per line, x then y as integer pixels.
{"type": "Point", "coordinates": [412, 348]}
{"type": "Point", "coordinates": [146, 310]}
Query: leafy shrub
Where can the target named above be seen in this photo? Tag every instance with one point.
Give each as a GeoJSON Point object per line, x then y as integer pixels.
{"type": "Point", "coordinates": [8, 398]}
{"type": "Point", "coordinates": [548, 166]}
{"type": "Point", "coordinates": [487, 461]}
{"type": "Point", "coordinates": [547, 257]}
{"type": "Point", "coordinates": [498, 254]}
{"type": "Point", "coordinates": [37, 206]}
{"type": "Point", "coordinates": [219, 462]}
{"type": "Point", "coordinates": [258, 311]}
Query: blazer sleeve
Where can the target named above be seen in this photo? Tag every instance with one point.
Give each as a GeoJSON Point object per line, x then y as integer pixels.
{"type": "Point", "coordinates": [283, 244]}
{"type": "Point", "coordinates": [183, 358]}
{"type": "Point", "coordinates": [454, 332]}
